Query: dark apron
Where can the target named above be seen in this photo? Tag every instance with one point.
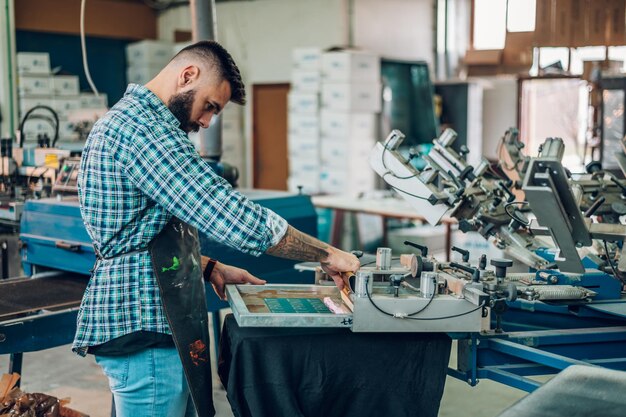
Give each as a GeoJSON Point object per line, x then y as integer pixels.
{"type": "Point", "coordinates": [175, 254]}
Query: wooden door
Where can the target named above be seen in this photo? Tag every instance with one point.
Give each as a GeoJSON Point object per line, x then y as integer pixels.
{"type": "Point", "coordinates": [269, 137]}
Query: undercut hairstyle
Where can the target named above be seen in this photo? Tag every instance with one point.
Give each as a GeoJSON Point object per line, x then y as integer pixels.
{"type": "Point", "coordinates": [215, 54]}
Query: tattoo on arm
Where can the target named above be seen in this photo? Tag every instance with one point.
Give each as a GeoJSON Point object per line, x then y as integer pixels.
{"type": "Point", "coordinates": [299, 246]}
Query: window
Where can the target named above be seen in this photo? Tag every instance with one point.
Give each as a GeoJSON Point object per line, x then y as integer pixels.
{"type": "Point", "coordinates": [489, 24]}
{"type": "Point", "coordinates": [492, 19]}
{"type": "Point", "coordinates": [521, 16]}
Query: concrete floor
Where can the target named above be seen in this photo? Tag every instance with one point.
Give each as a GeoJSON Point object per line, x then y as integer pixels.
{"type": "Point", "coordinates": [61, 373]}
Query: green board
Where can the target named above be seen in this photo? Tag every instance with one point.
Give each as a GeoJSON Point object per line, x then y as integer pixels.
{"type": "Point", "coordinates": [296, 305]}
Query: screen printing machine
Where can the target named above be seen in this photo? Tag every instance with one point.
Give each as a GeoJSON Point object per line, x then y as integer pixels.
{"type": "Point", "coordinates": [566, 309]}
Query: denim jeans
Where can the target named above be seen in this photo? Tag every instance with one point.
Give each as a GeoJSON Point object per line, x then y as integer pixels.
{"type": "Point", "coordinates": [148, 383]}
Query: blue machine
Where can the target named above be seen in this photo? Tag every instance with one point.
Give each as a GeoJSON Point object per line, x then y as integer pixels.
{"type": "Point", "coordinates": [54, 237]}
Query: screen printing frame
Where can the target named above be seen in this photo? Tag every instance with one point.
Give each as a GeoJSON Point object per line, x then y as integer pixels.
{"type": "Point", "coordinates": [247, 318]}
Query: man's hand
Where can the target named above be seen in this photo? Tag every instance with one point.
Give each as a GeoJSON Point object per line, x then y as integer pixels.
{"type": "Point", "coordinates": [226, 274]}
{"type": "Point", "coordinates": [339, 262]}
{"type": "Point", "coordinates": [302, 247]}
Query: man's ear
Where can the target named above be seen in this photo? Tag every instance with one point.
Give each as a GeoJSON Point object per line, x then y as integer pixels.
{"type": "Point", "coordinates": [188, 75]}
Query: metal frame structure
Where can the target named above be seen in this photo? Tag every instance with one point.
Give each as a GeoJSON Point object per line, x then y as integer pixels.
{"type": "Point", "coordinates": [510, 358]}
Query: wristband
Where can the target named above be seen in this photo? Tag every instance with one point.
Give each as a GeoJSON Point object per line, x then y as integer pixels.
{"type": "Point", "coordinates": [208, 270]}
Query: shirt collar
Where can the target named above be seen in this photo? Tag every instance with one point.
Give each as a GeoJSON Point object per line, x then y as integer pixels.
{"type": "Point", "coordinates": [144, 94]}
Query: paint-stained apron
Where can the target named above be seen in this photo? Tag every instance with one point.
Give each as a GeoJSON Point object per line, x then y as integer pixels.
{"type": "Point", "coordinates": [175, 254]}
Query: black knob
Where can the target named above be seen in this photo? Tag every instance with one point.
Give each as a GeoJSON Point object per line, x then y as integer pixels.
{"type": "Point", "coordinates": [482, 262]}
{"type": "Point", "coordinates": [468, 173]}
{"type": "Point", "coordinates": [465, 226]}
{"type": "Point", "coordinates": [618, 208]}
{"type": "Point", "coordinates": [619, 184]}
{"type": "Point", "coordinates": [475, 272]}
{"type": "Point", "coordinates": [593, 166]}
{"type": "Point", "coordinates": [357, 253]}
{"type": "Point", "coordinates": [501, 266]}
{"type": "Point", "coordinates": [464, 253]}
{"type": "Point", "coordinates": [422, 248]}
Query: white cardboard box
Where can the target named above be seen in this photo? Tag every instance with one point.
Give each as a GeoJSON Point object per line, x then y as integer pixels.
{"type": "Point", "coordinates": [334, 180]}
{"type": "Point", "coordinates": [303, 102]}
{"type": "Point", "coordinates": [177, 47]}
{"type": "Point", "coordinates": [350, 66]}
{"type": "Point", "coordinates": [303, 145]}
{"type": "Point", "coordinates": [340, 124]}
{"type": "Point", "coordinates": [303, 167]}
{"type": "Point", "coordinates": [65, 85]}
{"type": "Point", "coordinates": [352, 97]}
{"type": "Point", "coordinates": [233, 146]}
{"type": "Point", "coordinates": [232, 127]}
{"type": "Point", "coordinates": [66, 130]}
{"type": "Point", "coordinates": [64, 105]}
{"type": "Point", "coordinates": [354, 152]}
{"type": "Point", "coordinates": [33, 85]}
{"type": "Point", "coordinates": [306, 80]}
{"type": "Point", "coordinates": [27, 103]}
{"type": "Point", "coordinates": [35, 63]}
{"type": "Point", "coordinates": [232, 112]}
{"type": "Point", "coordinates": [307, 58]}
{"type": "Point", "coordinates": [141, 74]}
{"type": "Point", "coordinates": [149, 52]}
{"type": "Point", "coordinates": [302, 124]}
{"type": "Point", "coordinates": [90, 101]}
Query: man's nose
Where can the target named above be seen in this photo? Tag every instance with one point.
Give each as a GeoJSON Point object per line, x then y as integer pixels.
{"type": "Point", "coordinates": [205, 120]}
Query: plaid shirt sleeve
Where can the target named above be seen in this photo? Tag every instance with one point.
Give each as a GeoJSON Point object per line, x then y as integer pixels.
{"type": "Point", "coordinates": [165, 166]}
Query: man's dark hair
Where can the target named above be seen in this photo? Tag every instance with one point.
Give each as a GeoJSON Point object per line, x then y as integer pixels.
{"type": "Point", "coordinates": [219, 57]}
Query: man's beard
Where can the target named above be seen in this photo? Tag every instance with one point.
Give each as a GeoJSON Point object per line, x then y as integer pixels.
{"type": "Point", "coordinates": [180, 105]}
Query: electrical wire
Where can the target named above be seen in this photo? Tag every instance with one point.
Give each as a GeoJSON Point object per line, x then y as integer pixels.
{"type": "Point", "coordinates": [83, 48]}
{"type": "Point", "coordinates": [29, 114]}
{"type": "Point", "coordinates": [402, 191]}
{"type": "Point", "coordinates": [447, 317]}
{"type": "Point", "coordinates": [610, 261]}
{"type": "Point", "coordinates": [500, 160]}
{"type": "Point", "coordinates": [367, 292]}
{"type": "Point", "coordinates": [388, 171]}
{"type": "Point", "coordinates": [513, 216]}
{"type": "Point", "coordinates": [410, 316]}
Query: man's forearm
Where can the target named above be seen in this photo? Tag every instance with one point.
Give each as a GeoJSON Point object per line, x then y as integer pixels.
{"type": "Point", "coordinates": [204, 261]}
{"type": "Point", "coordinates": [299, 246]}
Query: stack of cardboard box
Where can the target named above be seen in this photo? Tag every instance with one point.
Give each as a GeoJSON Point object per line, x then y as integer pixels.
{"type": "Point", "coordinates": [351, 100]}
{"type": "Point", "coordinates": [37, 86]}
{"type": "Point", "coordinates": [145, 59]}
{"type": "Point", "coordinates": [303, 144]}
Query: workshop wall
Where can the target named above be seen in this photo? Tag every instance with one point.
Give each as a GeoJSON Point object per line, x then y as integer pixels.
{"type": "Point", "coordinates": [399, 29]}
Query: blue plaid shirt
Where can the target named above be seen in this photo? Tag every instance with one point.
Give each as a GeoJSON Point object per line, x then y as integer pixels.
{"type": "Point", "coordinates": [139, 169]}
